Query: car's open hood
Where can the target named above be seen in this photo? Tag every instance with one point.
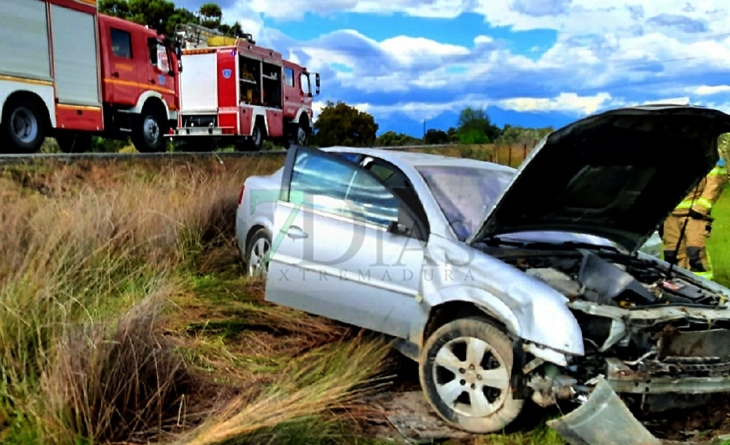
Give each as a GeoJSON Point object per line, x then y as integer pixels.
{"type": "Point", "coordinates": [616, 175]}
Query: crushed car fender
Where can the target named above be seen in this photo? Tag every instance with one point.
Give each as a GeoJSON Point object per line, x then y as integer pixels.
{"type": "Point", "coordinates": [602, 420]}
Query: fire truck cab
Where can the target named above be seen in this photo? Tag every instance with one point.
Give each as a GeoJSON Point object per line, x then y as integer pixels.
{"type": "Point", "coordinates": [68, 72]}
{"type": "Point", "coordinates": [237, 92]}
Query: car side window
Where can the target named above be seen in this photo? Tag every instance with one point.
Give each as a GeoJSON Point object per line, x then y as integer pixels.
{"type": "Point", "coordinates": [339, 187]}
{"type": "Point", "coordinates": [399, 184]}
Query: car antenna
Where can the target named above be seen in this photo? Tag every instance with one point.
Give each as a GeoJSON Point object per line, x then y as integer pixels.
{"type": "Point", "coordinates": [681, 237]}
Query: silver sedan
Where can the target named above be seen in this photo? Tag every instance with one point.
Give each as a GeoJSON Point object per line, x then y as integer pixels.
{"type": "Point", "coordinates": [504, 285]}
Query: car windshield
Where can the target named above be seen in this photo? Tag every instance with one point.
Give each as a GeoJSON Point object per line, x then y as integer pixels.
{"type": "Point", "coordinates": [465, 194]}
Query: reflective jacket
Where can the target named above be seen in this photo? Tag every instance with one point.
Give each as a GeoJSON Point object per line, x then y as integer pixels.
{"type": "Point", "coordinates": [705, 195]}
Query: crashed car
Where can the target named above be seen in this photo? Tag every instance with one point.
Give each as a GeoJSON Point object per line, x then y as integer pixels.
{"type": "Point", "coordinates": [507, 286]}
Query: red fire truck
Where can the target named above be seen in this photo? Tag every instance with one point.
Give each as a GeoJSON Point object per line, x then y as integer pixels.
{"type": "Point", "coordinates": [235, 91]}
{"type": "Point", "coordinates": [68, 72]}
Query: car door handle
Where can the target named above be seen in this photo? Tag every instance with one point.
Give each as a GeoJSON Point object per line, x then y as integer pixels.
{"type": "Point", "coordinates": [152, 81]}
{"type": "Point", "coordinates": [115, 74]}
{"type": "Point", "coordinates": [295, 232]}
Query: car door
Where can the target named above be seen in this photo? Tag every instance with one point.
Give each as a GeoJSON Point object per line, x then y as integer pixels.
{"type": "Point", "coordinates": [344, 246]}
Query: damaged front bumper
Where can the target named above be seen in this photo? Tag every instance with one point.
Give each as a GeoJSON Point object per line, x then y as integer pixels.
{"type": "Point", "coordinates": [603, 420]}
{"type": "Point", "coordinates": [684, 369]}
{"type": "Point", "coordinates": [658, 378]}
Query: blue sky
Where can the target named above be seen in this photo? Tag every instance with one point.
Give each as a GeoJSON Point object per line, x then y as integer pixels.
{"type": "Point", "coordinates": [528, 62]}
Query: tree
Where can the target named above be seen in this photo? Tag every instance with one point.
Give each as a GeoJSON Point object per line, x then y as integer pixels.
{"type": "Point", "coordinates": [163, 16]}
{"type": "Point", "coordinates": [211, 15]}
{"type": "Point", "coordinates": [341, 124]}
{"type": "Point", "coordinates": [475, 127]}
{"type": "Point", "coordinates": [515, 135]}
{"type": "Point", "coordinates": [393, 139]}
{"type": "Point", "coordinates": [436, 137]}
{"type": "Point", "coordinates": [453, 134]}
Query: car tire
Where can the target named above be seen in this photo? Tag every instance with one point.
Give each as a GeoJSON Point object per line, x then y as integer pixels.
{"type": "Point", "coordinates": [448, 375]}
{"type": "Point", "coordinates": [23, 128]}
{"type": "Point", "coordinates": [257, 248]}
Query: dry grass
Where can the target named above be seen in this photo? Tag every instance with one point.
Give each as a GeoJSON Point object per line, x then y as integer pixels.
{"type": "Point", "coordinates": [115, 381]}
{"type": "Point", "coordinates": [124, 316]}
{"type": "Point", "coordinates": [100, 336]}
{"type": "Point", "coordinates": [305, 388]}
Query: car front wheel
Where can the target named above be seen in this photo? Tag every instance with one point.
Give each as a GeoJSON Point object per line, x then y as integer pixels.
{"type": "Point", "coordinates": [465, 374]}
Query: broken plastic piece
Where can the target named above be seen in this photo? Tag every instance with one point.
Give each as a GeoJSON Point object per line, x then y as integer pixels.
{"type": "Point", "coordinates": [602, 420]}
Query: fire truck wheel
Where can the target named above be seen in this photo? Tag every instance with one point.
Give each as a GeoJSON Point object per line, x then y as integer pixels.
{"type": "Point", "coordinates": [23, 127]}
{"type": "Point", "coordinates": [301, 134]}
{"type": "Point", "coordinates": [148, 135]}
{"type": "Point", "coordinates": [257, 137]}
{"type": "Point", "coordinates": [74, 142]}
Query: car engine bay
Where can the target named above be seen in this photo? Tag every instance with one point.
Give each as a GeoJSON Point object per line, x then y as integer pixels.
{"type": "Point", "coordinates": [647, 331]}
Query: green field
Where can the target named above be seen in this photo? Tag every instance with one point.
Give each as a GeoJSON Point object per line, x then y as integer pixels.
{"type": "Point", "coordinates": [125, 318]}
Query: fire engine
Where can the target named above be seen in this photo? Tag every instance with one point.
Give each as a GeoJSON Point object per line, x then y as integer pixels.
{"type": "Point", "coordinates": [68, 72]}
{"type": "Point", "coordinates": [235, 91]}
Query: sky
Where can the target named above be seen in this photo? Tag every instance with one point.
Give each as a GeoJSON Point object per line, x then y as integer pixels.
{"type": "Point", "coordinates": [536, 63]}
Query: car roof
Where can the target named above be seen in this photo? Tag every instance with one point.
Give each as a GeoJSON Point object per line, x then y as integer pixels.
{"type": "Point", "coordinates": [419, 159]}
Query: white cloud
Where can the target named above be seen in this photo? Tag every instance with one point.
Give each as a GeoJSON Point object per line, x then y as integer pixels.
{"type": "Point", "coordinates": [568, 103]}
{"type": "Point", "coordinates": [570, 17]}
{"type": "Point", "coordinates": [684, 100]}
{"type": "Point", "coordinates": [705, 90]}
{"type": "Point", "coordinates": [410, 50]}
{"type": "Point", "coordinates": [482, 39]}
{"type": "Point", "coordinates": [610, 53]}
{"type": "Point", "coordinates": [295, 9]}
{"type": "Point", "coordinates": [564, 102]}
{"type": "Point", "coordinates": [250, 20]}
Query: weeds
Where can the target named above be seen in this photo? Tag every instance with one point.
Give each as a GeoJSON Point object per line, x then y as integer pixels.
{"type": "Point", "coordinates": [100, 339]}
{"type": "Point", "coordinates": [113, 381]}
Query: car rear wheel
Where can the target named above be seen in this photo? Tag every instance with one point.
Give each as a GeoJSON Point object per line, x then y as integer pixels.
{"type": "Point", "coordinates": [256, 252]}
{"type": "Point", "coordinates": [465, 374]}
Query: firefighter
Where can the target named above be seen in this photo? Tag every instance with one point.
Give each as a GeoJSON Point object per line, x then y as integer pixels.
{"type": "Point", "coordinates": [690, 252]}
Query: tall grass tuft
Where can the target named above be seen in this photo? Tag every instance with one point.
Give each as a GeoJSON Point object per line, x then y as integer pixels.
{"type": "Point", "coordinates": [75, 257]}
{"type": "Point", "coordinates": [113, 381]}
